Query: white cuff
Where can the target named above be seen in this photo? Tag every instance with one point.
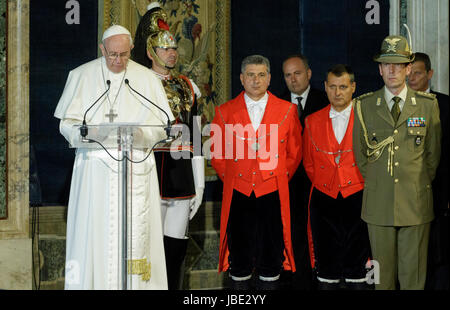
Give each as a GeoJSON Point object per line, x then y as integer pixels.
{"type": "Point", "coordinates": [69, 131]}
{"type": "Point", "coordinates": [198, 170]}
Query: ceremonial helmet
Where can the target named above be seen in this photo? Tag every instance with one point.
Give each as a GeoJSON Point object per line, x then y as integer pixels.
{"type": "Point", "coordinates": [162, 39]}
{"type": "Point", "coordinates": [395, 49]}
{"type": "Point", "coordinates": [157, 18]}
{"type": "Point", "coordinates": [154, 20]}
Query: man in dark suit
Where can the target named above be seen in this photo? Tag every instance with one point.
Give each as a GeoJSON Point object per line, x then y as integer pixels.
{"type": "Point", "coordinates": [297, 75]}
{"type": "Point", "coordinates": [438, 255]}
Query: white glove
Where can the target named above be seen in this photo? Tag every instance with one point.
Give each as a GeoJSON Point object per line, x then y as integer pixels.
{"type": "Point", "coordinates": [198, 169]}
{"type": "Point", "coordinates": [195, 202]}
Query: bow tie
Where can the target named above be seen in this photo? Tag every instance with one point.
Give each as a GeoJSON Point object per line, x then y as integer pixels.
{"type": "Point", "coordinates": [254, 106]}
{"type": "Point", "coordinates": [334, 114]}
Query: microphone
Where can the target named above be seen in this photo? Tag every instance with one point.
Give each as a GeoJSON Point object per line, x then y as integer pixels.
{"type": "Point", "coordinates": [169, 126]}
{"type": "Point", "coordinates": [83, 128]}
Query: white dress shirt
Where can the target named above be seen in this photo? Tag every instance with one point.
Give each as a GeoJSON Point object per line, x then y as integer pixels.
{"type": "Point", "coordinates": [256, 109]}
{"type": "Point", "coordinates": [304, 96]}
{"type": "Point", "coordinates": [339, 120]}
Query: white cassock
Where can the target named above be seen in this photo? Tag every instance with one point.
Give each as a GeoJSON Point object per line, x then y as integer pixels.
{"type": "Point", "coordinates": [92, 246]}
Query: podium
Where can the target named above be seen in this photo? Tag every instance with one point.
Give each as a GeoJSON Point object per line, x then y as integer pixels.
{"type": "Point", "coordinates": [123, 138]}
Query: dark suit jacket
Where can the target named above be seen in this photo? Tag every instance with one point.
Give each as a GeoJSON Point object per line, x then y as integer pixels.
{"type": "Point", "coordinates": [440, 183]}
{"type": "Point", "coordinates": [299, 188]}
{"type": "Point", "coordinates": [317, 99]}
{"type": "Point", "coordinates": [438, 251]}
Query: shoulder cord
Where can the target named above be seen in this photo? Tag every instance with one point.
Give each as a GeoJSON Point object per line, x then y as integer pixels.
{"type": "Point", "coordinates": [376, 149]}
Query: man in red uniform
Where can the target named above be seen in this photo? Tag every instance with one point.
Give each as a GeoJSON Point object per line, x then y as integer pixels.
{"type": "Point", "coordinates": [256, 148]}
{"type": "Point", "coordinates": [339, 241]}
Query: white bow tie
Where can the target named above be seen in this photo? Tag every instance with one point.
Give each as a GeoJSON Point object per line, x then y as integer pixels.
{"type": "Point", "coordinates": [254, 107]}
{"type": "Point", "coordinates": [334, 114]}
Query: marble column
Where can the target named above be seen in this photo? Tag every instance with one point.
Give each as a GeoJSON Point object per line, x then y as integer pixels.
{"type": "Point", "coordinates": [428, 21]}
{"type": "Point", "coordinates": [15, 241]}
{"type": "Point", "coordinates": [429, 26]}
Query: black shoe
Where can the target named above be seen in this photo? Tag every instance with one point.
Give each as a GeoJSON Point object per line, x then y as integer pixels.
{"type": "Point", "coordinates": [267, 285]}
{"type": "Point", "coordinates": [359, 286]}
{"type": "Point", "coordinates": [240, 285]}
{"type": "Point", "coordinates": [325, 286]}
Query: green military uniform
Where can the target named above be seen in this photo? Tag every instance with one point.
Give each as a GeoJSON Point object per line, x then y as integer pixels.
{"type": "Point", "coordinates": [398, 161]}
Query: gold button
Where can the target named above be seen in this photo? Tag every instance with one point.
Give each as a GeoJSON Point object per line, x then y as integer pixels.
{"type": "Point", "coordinates": [396, 147]}
{"type": "Point", "coordinates": [276, 156]}
{"type": "Point", "coordinates": [396, 164]}
{"type": "Point", "coordinates": [235, 160]}
{"type": "Point", "coordinates": [325, 185]}
{"type": "Point", "coordinates": [418, 132]}
{"type": "Point", "coordinates": [396, 181]}
{"type": "Point", "coordinates": [254, 172]}
{"type": "Point", "coordinates": [240, 174]}
{"type": "Point", "coordinates": [395, 131]}
{"type": "Point", "coordinates": [282, 141]}
{"type": "Point", "coordinates": [410, 131]}
{"type": "Point", "coordinates": [253, 184]}
{"type": "Point", "coordinates": [271, 172]}
{"type": "Point", "coordinates": [349, 182]}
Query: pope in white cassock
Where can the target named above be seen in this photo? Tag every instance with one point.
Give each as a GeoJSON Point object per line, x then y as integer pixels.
{"type": "Point", "coordinates": [92, 249]}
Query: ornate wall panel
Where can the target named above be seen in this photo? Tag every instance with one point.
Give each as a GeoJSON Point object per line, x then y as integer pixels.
{"type": "Point", "coordinates": [15, 225]}
{"type": "Point", "coordinates": [3, 213]}
{"type": "Point", "coordinates": [202, 29]}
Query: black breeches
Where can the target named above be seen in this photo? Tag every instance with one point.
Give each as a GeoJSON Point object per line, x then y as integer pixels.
{"type": "Point", "coordinates": [255, 235]}
{"type": "Point", "coordinates": [340, 236]}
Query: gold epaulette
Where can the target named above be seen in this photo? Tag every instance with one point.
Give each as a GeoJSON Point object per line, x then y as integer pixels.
{"type": "Point", "coordinates": [364, 96]}
{"type": "Point", "coordinates": [426, 95]}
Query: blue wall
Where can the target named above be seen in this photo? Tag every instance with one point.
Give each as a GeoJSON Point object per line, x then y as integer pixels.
{"type": "Point", "coordinates": [55, 49]}
{"type": "Point", "coordinates": [336, 32]}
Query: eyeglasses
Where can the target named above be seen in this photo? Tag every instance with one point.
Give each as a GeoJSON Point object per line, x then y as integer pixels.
{"type": "Point", "coordinates": [113, 56]}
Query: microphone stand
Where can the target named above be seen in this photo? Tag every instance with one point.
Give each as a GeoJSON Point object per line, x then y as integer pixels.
{"type": "Point", "coordinates": [83, 128]}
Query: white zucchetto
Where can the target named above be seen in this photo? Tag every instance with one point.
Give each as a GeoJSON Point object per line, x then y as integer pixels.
{"type": "Point", "coordinates": [115, 30]}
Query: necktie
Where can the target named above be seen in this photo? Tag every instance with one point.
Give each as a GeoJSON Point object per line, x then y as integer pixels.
{"type": "Point", "coordinates": [395, 111]}
{"type": "Point", "coordinates": [299, 106]}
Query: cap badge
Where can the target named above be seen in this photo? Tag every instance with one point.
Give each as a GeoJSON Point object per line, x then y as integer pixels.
{"type": "Point", "coordinates": [392, 44]}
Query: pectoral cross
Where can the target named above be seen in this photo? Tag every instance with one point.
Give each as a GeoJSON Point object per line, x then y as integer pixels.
{"type": "Point", "coordinates": [111, 115]}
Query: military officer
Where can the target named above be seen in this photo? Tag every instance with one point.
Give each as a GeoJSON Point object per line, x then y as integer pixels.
{"type": "Point", "coordinates": [397, 148]}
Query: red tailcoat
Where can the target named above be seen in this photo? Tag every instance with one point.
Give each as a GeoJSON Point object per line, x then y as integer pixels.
{"type": "Point", "coordinates": [263, 171]}
{"type": "Point", "coordinates": [326, 174]}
